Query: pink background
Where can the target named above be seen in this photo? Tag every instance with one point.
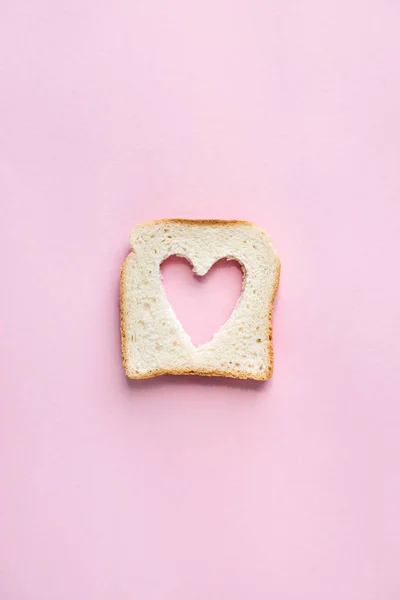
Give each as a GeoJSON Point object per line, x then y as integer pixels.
{"type": "Point", "coordinates": [282, 112]}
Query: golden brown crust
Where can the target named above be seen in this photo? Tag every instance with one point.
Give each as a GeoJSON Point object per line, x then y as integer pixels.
{"type": "Point", "coordinates": [206, 222]}
{"type": "Point", "coordinates": [231, 374]}
{"type": "Point", "coordinates": [122, 326]}
{"type": "Point", "coordinates": [270, 368]}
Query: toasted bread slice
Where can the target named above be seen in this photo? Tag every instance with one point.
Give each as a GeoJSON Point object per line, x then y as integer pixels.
{"type": "Point", "coordinates": [153, 340]}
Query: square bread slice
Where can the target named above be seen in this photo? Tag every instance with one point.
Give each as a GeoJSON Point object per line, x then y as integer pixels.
{"type": "Point", "coordinates": [153, 340]}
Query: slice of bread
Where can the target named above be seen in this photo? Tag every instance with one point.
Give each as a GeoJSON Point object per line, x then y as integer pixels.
{"type": "Point", "coordinates": [153, 340]}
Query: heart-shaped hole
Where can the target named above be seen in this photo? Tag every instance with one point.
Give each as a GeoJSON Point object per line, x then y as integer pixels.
{"type": "Point", "coordinates": [202, 304]}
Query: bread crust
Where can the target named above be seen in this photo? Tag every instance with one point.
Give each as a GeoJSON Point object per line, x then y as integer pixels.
{"type": "Point", "coordinates": [264, 376]}
{"type": "Point", "coordinates": [207, 222]}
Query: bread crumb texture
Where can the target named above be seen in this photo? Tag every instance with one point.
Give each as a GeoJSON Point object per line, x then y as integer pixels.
{"type": "Point", "coordinates": [153, 340]}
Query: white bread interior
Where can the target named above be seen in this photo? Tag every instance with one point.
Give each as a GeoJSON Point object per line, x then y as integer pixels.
{"type": "Point", "coordinates": [153, 340]}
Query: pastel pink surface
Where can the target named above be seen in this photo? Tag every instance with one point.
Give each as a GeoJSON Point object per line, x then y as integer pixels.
{"type": "Point", "coordinates": [283, 113]}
